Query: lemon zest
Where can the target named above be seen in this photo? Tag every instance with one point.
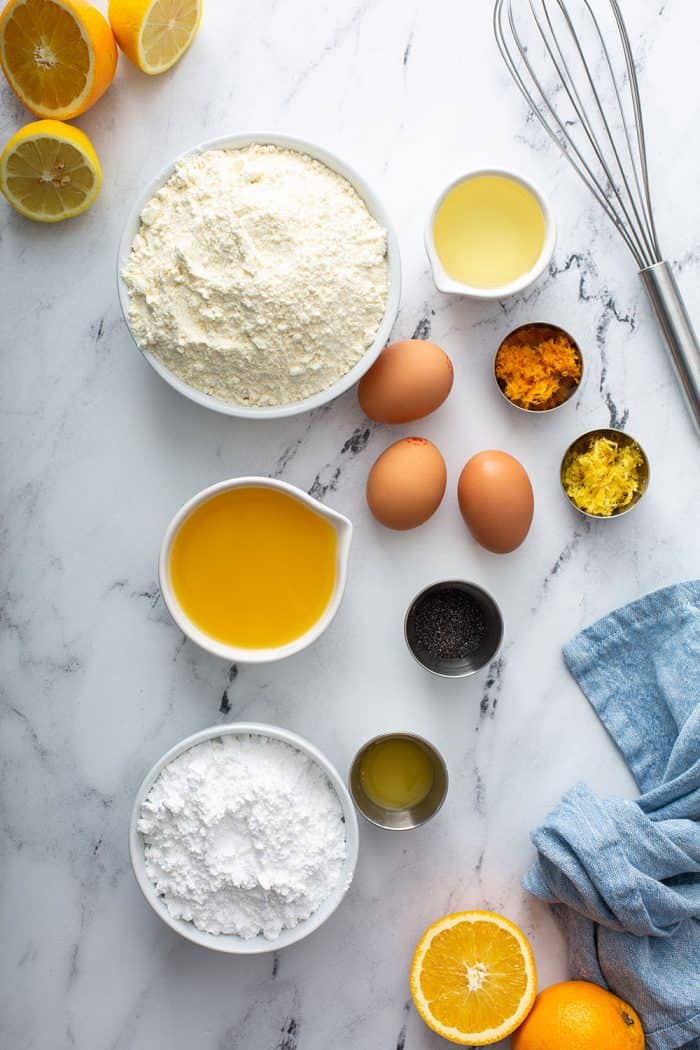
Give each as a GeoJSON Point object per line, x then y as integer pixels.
{"type": "Point", "coordinates": [605, 478]}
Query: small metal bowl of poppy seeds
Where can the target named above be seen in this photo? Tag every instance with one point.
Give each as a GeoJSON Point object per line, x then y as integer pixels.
{"type": "Point", "coordinates": [538, 367]}
{"type": "Point", "coordinates": [453, 628]}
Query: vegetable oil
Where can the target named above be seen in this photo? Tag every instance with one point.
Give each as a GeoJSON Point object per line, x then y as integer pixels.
{"type": "Point", "coordinates": [488, 231]}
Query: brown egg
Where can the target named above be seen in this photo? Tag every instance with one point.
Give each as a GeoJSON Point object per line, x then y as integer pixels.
{"type": "Point", "coordinates": [407, 483]}
{"type": "Point", "coordinates": [408, 380]}
{"type": "Point", "coordinates": [496, 500]}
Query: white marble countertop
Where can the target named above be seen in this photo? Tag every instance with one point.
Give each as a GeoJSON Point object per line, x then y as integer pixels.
{"type": "Point", "coordinates": [98, 453]}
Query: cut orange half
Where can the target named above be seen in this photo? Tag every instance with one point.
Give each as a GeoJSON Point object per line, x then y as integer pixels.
{"type": "Point", "coordinates": [154, 34]}
{"type": "Point", "coordinates": [49, 171]}
{"type": "Point", "coordinates": [473, 977]}
{"type": "Point", "coordinates": [59, 56]}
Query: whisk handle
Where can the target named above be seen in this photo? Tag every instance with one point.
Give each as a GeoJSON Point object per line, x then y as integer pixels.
{"type": "Point", "coordinates": [682, 343]}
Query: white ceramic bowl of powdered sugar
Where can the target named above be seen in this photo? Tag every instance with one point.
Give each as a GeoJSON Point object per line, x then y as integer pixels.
{"type": "Point", "coordinates": [259, 275]}
{"type": "Point", "coordinates": [243, 838]}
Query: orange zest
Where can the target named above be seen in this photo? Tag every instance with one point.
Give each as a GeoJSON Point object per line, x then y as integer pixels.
{"type": "Point", "coordinates": [538, 367]}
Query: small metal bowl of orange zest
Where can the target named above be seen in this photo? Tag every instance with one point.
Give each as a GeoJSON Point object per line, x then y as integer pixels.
{"type": "Point", "coordinates": [538, 367]}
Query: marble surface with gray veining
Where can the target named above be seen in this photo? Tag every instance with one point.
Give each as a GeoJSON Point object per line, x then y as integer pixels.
{"type": "Point", "coordinates": [98, 453]}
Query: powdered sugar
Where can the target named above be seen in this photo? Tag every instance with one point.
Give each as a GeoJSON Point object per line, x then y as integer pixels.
{"type": "Point", "coordinates": [243, 835]}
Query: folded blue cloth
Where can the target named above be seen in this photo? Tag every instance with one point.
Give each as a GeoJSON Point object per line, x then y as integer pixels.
{"type": "Point", "coordinates": [623, 877]}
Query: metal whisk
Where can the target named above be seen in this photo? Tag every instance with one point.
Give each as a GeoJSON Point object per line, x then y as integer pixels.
{"type": "Point", "coordinates": [573, 62]}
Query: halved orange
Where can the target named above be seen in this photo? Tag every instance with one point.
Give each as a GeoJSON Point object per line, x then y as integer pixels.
{"type": "Point", "coordinates": [49, 171]}
{"type": "Point", "coordinates": [154, 34]}
{"type": "Point", "coordinates": [59, 56]}
{"type": "Point", "coordinates": [473, 977]}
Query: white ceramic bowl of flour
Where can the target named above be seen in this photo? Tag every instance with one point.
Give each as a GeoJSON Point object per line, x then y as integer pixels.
{"type": "Point", "coordinates": [229, 943]}
{"type": "Point", "coordinates": [375, 208]}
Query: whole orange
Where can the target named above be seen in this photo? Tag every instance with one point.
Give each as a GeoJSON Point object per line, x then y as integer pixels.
{"type": "Point", "coordinates": [577, 1015]}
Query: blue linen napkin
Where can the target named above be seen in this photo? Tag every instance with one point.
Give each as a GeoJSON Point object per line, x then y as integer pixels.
{"type": "Point", "coordinates": [623, 877]}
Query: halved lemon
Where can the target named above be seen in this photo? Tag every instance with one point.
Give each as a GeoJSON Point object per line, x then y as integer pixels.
{"type": "Point", "coordinates": [58, 55]}
{"type": "Point", "coordinates": [49, 171]}
{"type": "Point", "coordinates": [154, 34]}
{"type": "Point", "coordinates": [473, 977]}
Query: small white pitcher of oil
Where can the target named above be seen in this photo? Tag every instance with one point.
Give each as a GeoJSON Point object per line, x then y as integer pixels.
{"type": "Point", "coordinates": [491, 233]}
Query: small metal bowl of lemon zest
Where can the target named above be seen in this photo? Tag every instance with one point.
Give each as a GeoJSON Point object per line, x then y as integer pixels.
{"type": "Point", "coordinates": [604, 473]}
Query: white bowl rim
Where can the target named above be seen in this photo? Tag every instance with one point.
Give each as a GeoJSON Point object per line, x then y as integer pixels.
{"type": "Point", "coordinates": [375, 207]}
{"type": "Point", "coordinates": [448, 285]}
{"type": "Point", "coordinates": [343, 530]}
{"type": "Point", "coordinates": [227, 942]}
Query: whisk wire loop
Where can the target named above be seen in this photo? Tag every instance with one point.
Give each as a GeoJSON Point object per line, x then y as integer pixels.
{"type": "Point", "coordinates": [639, 127]}
{"type": "Point", "coordinates": [503, 21]}
{"type": "Point", "coordinates": [552, 44]}
{"type": "Point", "coordinates": [620, 186]}
{"type": "Point", "coordinates": [640, 232]}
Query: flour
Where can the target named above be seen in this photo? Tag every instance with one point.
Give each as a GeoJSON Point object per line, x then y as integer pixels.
{"type": "Point", "coordinates": [243, 835]}
{"type": "Point", "coordinates": [258, 275]}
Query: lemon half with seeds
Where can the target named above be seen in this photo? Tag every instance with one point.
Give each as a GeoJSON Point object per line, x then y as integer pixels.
{"type": "Point", "coordinates": [49, 171]}
{"type": "Point", "coordinates": [473, 977]}
{"type": "Point", "coordinates": [154, 34]}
